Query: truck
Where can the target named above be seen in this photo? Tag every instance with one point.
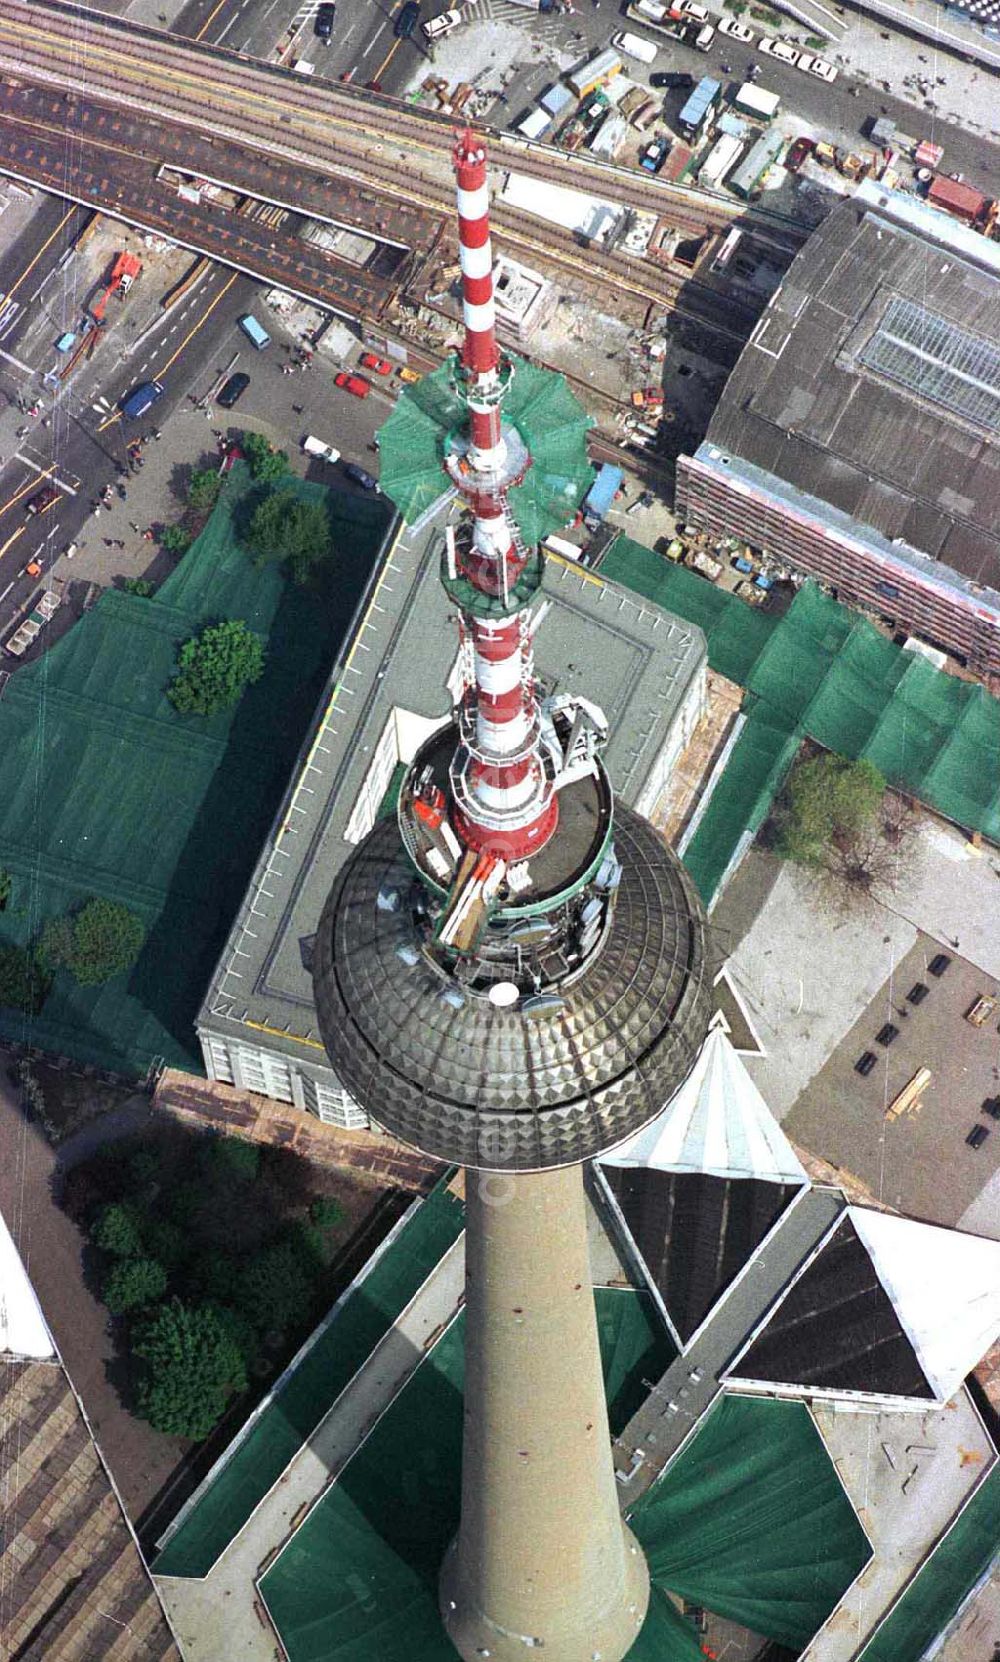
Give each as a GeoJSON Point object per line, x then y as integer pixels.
{"type": "Point", "coordinates": [320, 449]}
{"type": "Point", "coordinates": [722, 157]}
{"type": "Point", "coordinates": [697, 113]}
{"type": "Point", "coordinates": [756, 101]}
{"type": "Point", "coordinates": [126, 269]}
{"type": "Point", "coordinates": [601, 495]}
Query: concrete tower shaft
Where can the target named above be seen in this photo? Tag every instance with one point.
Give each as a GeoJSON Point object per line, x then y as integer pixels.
{"type": "Point", "coordinates": [542, 1559]}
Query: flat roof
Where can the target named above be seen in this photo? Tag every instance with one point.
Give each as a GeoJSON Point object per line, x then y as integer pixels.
{"type": "Point", "coordinates": [592, 638]}
{"type": "Point", "coordinates": [871, 382]}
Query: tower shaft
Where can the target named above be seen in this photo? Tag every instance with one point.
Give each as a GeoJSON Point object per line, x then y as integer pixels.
{"type": "Point", "coordinates": [542, 1557]}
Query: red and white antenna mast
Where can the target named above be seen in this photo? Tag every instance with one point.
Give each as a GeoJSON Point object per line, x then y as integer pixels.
{"type": "Point", "coordinates": [503, 797]}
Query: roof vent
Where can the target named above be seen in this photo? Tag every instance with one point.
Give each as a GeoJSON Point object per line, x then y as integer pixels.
{"type": "Point", "coordinates": [408, 954]}
{"type": "Point", "coordinates": [454, 997]}
{"type": "Point", "coordinates": [389, 899]}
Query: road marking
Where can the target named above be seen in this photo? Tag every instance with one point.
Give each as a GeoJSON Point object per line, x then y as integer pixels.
{"type": "Point", "coordinates": [210, 19]}
{"type": "Point", "coordinates": [192, 332]}
{"type": "Point", "coordinates": [32, 263]}
{"type": "Point", "coordinates": [12, 539]}
{"type": "Point", "coordinates": [45, 472]}
{"type": "Point", "coordinates": [387, 60]}
{"type": "Point", "coordinates": [379, 31]}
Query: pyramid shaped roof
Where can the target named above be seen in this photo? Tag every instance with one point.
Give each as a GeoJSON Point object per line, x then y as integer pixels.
{"type": "Point", "coordinates": [717, 1123]}
{"type": "Point", "coordinates": [945, 1289]}
{"type": "Point", "coordinates": [23, 1331]}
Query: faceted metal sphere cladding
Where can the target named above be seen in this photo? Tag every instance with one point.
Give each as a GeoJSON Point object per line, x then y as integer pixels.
{"type": "Point", "coordinates": [538, 1082]}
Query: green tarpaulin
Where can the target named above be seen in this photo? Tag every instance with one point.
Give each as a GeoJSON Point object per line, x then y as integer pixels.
{"type": "Point", "coordinates": [106, 790]}
{"type": "Point", "coordinates": [825, 673]}
{"type": "Point", "coordinates": [751, 1521]}
{"type": "Point", "coordinates": [539, 404]}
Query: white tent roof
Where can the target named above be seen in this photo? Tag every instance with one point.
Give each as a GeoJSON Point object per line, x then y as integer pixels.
{"type": "Point", "coordinates": [945, 1289]}
{"type": "Point", "coordinates": [717, 1122]}
{"type": "Point", "coordinates": [22, 1326]}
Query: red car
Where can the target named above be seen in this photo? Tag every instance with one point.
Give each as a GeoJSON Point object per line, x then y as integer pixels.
{"type": "Point", "coordinates": [798, 152]}
{"type": "Point", "coordinates": [379, 365]}
{"type": "Point", "coordinates": [355, 384]}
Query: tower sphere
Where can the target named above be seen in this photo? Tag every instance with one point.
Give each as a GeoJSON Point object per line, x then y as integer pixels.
{"type": "Point", "coordinates": [551, 1078]}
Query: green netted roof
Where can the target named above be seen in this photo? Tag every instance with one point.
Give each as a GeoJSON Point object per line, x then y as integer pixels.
{"type": "Point", "coordinates": [823, 672]}
{"type": "Point", "coordinates": [932, 1598]}
{"type": "Point", "coordinates": [751, 1521]}
{"type": "Point", "coordinates": [259, 1454]}
{"type": "Point", "coordinates": [358, 1580]}
{"type": "Point", "coordinates": [106, 790]}
{"type": "Point", "coordinates": [538, 404]}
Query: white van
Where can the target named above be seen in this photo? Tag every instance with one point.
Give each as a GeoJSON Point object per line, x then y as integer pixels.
{"type": "Point", "coordinates": [436, 27]}
{"type": "Point", "coordinates": [704, 38]}
{"type": "Point", "coordinates": [634, 46]}
{"type": "Point", "coordinates": [315, 447]}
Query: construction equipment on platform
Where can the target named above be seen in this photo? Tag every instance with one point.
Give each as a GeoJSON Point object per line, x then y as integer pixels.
{"type": "Point", "coordinates": [908, 1099]}
{"type": "Point", "coordinates": [126, 269]}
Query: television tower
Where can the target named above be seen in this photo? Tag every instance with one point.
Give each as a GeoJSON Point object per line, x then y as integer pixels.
{"type": "Point", "coordinates": [512, 977]}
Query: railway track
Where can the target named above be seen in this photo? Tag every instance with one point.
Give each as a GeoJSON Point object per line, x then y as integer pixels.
{"type": "Point", "coordinates": [101, 54]}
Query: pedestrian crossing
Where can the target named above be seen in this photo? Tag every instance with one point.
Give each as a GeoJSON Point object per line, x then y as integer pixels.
{"type": "Point", "coordinates": [508, 11]}
{"type": "Point", "coordinates": [9, 310]}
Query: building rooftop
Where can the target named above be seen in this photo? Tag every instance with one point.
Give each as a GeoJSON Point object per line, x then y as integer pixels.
{"type": "Point", "coordinates": [872, 383]}
{"type": "Point", "coordinates": [75, 1585]}
{"type": "Point", "coordinates": [393, 688]}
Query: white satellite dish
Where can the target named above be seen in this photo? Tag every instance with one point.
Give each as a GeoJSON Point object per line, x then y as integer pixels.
{"type": "Point", "coordinates": [503, 994]}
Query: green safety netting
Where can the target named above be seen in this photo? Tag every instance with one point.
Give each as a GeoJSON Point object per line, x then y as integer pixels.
{"type": "Point", "coordinates": [741, 801]}
{"type": "Point", "coordinates": [259, 1454]}
{"type": "Point", "coordinates": [358, 1579]}
{"type": "Point", "coordinates": [538, 404]}
{"type": "Point", "coordinates": [107, 791]}
{"type": "Point", "coordinates": [822, 672]}
{"type": "Point", "coordinates": [752, 1522]}
{"type": "Point", "coordinates": [942, 1582]}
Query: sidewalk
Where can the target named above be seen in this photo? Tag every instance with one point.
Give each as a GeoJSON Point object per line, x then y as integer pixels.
{"type": "Point", "coordinates": [960, 94]}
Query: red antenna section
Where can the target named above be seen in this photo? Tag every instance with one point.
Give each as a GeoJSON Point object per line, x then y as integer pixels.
{"type": "Point", "coordinates": [504, 802]}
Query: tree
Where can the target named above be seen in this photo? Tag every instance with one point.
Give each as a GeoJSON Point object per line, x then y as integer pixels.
{"type": "Point", "coordinates": [141, 587]}
{"type": "Point", "coordinates": [285, 528]}
{"type": "Point", "coordinates": [116, 1231]}
{"type": "Point", "coordinates": [6, 888]}
{"type": "Point", "coordinates": [24, 980]}
{"type": "Point", "coordinates": [203, 490]}
{"type": "Point", "coordinates": [132, 1283]}
{"type": "Point", "coordinates": [234, 1157]}
{"type": "Point", "coordinates": [275, 1291]}
{"type": "Point", "coordinates": [100, 940]}
{"type": "Point", "coordinates": [267, 465]}
{"type": "Point", "coordinates": [326, 1212]}
{"type": "Point", "coordinates": [176, 539]}
{"type": "Point", "coordinates": [215, 667]}
{"type": "Point", "coordinates": [827, 798]}
{"type": "Point", "coordinates": [838, 818]}
{"type": "Point", "coordinates": [193, 1362]}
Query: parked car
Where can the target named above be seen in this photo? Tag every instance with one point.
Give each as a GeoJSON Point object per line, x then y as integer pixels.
{"type": "Point", "coordinates": [818, 66]}
{"type": "Point", "coordinates": [798, 150]}
{"type": "Point", "coordinates": [354, 384]}
{"type": "Point", "coordinates": [361, 476]}
{"type": "Point", "coordinates": [777, 49]}
{"type": "Point", "coordinates": [673, 79]}
{"type": "Point", "coordinates": [408, 376]}
{"type": "Point", "coordinates": [233, 391]}
{"type": "Point", "coordinates": [324, 20]}
{"type": "Point", "coordinates": [381, 366]}
{"type": "Point", "coordinates": [733, 26]}
{"type": "Point", "coordinates": [407, 20]}
{"type": "Point", "coordinates": [42, 500]}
